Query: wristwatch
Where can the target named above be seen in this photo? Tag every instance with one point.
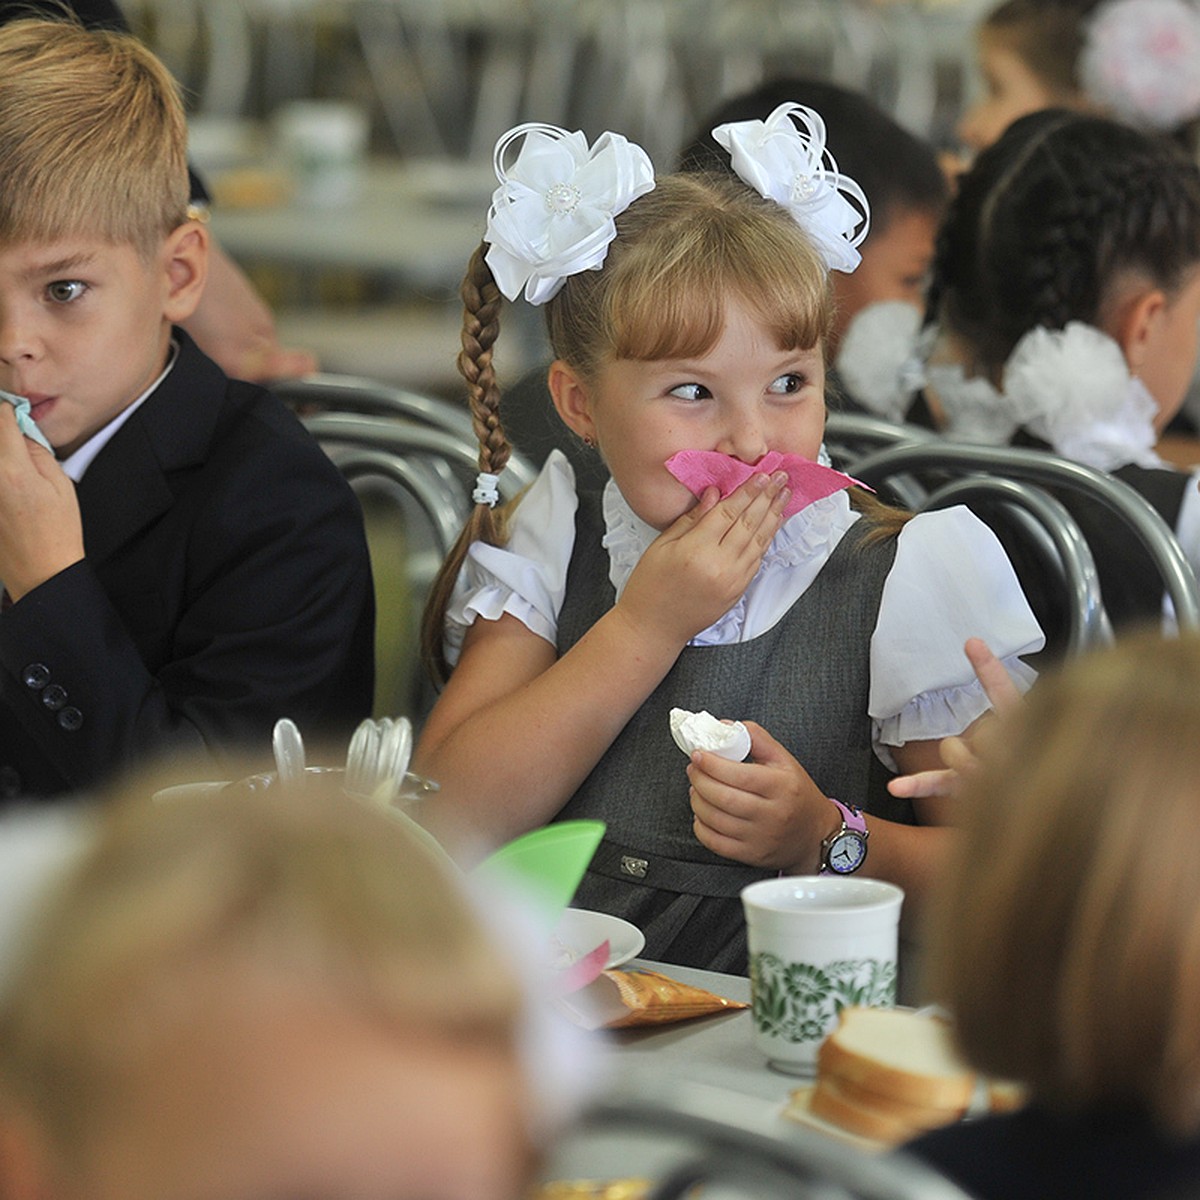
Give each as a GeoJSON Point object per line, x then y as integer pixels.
{"type": "Point", "coordinates": [845, 850]}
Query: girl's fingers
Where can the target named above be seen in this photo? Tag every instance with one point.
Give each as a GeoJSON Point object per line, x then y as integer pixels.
{"type": "Point", "coordinates": [718, 843]}
{"type": "Point", "coordinates": [924, 784]}
{"type": "Point", "coordinates": [741, 513]}
{"type": "Point", "coordinates": [717, 818]}
{"type": "Point", "coordinates": [989, 670]}
{"type": "Point", "coordinates": [716, 795]}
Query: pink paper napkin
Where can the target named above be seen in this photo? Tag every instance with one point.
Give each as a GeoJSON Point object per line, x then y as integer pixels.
{"type": "Point", "coordinates": [582, 971]}
{"type": "Point", "coordinates": [809, 481]}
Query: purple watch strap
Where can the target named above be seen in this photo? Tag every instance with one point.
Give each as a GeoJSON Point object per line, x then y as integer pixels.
{"type": "Point", "coordinates": [852, 816]}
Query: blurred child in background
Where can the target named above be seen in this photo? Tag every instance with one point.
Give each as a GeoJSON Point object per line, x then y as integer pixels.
{"type": "Point", "coordinates": [1135, 60]}
{"type": "Point", "coordinates": [1066, 934]}
{"type": "Point", "coordinates": [247, 995]}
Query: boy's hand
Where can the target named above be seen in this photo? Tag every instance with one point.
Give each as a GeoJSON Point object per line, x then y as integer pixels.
{"type": "Point", "coordinates": [961, 754]}
{"type": "Point", "coordinates": [41, 532]}
{"type": "Point", "coordinates": [696, 570]}
{"type": "Point", "coordinates": [765, 812]}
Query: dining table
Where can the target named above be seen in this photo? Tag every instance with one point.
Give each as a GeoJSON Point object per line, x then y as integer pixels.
{"type": "Point", "coordinates": [713, 1057]}
{"type": "Point", "coordinates": [716, 1051]}
{"type": "Point", "coordinates": [411, 222]}
{"type": "Point", "coordinates": [664, 1083]}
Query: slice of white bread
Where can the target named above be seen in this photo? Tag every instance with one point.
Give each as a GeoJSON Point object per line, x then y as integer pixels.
{"type": "Point", "coordinates": [889, 1074]}
{"type": "Point", "coordinates": [882, 1122]}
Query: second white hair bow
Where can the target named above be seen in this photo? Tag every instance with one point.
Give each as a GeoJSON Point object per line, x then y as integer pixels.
{"type": "Point", "coordinates": [552, 215]}
{"type": "Point", "coordinates": [784, 158]}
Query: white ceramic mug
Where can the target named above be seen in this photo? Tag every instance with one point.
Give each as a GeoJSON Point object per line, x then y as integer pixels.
{"type": "Point", "coordinates": [818, 943]}
{"type": "Point", "coordinates": [324, 144]}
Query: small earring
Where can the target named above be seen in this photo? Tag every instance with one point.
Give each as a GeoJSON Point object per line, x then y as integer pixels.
{"type": "Point", "coordinates": [589, 441]}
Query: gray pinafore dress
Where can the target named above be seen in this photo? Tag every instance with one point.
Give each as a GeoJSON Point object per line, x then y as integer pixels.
{"type": "Point", "coordinates": [806, 681]}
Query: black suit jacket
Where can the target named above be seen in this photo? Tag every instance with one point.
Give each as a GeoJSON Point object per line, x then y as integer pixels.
{"type": "Point", "coordinates": [226, 584]}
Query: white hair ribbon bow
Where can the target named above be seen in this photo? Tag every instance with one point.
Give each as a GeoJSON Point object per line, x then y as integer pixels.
{"type": "Point", "coordinates": [784, 158]}
{"type": "Point", "coordinates": [552, 215]}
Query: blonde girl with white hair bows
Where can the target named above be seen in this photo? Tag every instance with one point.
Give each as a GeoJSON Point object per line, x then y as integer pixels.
{"type": "Point", "coordinates": [722, 568]}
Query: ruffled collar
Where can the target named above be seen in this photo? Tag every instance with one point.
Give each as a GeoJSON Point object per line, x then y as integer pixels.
{"type": "Point", "coordinates": [1070, 387]}
{"type": "Point", "coordinates": [809, 535]}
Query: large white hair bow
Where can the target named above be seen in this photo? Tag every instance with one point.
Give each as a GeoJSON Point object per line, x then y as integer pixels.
{"type": "Point", "coordinates": [1072, 388]}
{"type": "Point", "coordinates": [785, 159]}
{"type": "Point", "coordinates": [552, 215]}
{"type": "Point", "coordinates": [1141, 60]}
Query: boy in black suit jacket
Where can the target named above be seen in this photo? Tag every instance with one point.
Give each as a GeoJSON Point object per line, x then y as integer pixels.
{"type": "Point", "coordinates": [187, 566]}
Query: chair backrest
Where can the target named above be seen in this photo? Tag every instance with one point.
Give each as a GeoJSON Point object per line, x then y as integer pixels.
{"type": "Point", "coordinates": [694, 1139]}
{"type": "Point", "coordinates": [414, 505]}
{"type": "Point", "coordinates": [856, 434]}
{"type": "Point", "coordinates": [1081, 490]}
{"type": "Point", "coordinates": [403, 422]}
{"type": "Point", "coordinates": [850, 436]}
{"type": "Point", "coordinates": [1049, 552]}
{"type": "Point", "coordinates": [329, 392]}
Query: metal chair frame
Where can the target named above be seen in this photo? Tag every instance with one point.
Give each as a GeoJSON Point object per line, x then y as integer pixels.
{"type": "Point", "coordinates": [1056, 537]}
{"type": "Point", "coordinates": [407, 437]}
{"type": "Point", "coordinates": [354, 393]}
{"type": "Point", "coordinates": [1050, 471]}
{"type": "Point", "coordinates": [733, 1147]}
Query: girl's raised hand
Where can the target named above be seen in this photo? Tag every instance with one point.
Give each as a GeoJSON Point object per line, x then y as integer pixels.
{"type": "Point", "coordinates": [696, 570]}
{"type": "Point", "coordinates": [765, 812]}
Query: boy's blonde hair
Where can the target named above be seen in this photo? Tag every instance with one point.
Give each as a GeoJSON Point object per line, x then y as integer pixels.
{"type": "Point", "coordinates": [309, 889]}
{"type": "Point", "coordinates": [1066, 938]}
{"type": "Point", "coordinates": [93, 137]}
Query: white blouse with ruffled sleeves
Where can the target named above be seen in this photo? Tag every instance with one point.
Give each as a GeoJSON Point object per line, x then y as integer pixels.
{"type": "Point", "coordinates": [951, 580]}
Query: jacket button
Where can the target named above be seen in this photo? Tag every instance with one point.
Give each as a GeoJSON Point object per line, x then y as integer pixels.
{"type": "Point", "coordinates": [70, 718]}
{"type": "Point", "coordinates": [36, 676]}
{"type": "Point", "coordinates": [54, 696]}
{"type": "Point", "coordinates": [10, 783]}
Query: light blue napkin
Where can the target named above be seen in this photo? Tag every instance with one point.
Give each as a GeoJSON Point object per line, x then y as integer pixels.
{"type": "Point", "coordinates": [25, 423]}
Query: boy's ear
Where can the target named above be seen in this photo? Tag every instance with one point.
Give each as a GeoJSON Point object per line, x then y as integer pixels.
{"type": "Point", "coordinates": [1134, 324]}
{"type": "Point", "coordinates": [572, 400]}
{"type": "Point", "coordinates": [185, 258]}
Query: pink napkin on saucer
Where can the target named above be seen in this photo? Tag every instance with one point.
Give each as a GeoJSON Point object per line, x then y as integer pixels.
{"type": "Point", "coordinates": [582, 971]}
{"type": "Point", "coordinates": [809, 481]}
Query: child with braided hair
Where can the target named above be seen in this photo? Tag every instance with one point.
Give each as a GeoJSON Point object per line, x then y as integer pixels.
{"type": "Point", "coordinates": [1066, 289]}
{"type": "Point", "coordinates": [722, 568]}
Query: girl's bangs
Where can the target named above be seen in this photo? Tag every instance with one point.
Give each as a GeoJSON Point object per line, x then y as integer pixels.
{"type": "Point", "coordinates": [679, 312]}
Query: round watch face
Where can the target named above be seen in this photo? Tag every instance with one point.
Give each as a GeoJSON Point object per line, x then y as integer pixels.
{"type": "Point", "coordinates": [846, 852]}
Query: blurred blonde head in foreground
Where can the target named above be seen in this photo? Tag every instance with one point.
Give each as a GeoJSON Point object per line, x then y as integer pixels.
{"type": "Point", "coordinates": [243, 996]}
{"type": "Point", "coordinates": [1067, 934]}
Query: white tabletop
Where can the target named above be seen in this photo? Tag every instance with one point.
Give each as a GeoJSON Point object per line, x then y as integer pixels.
{"type": "Point", "coordinates": [714, 1057]}
{"type": "Point", "coordinates": [416, 223]}
{"type": "Point", "coordinates": [718, 1051]}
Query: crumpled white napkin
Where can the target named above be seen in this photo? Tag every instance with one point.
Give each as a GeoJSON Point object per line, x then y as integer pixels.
{"type": "Point", "coordinates": [702, 731]}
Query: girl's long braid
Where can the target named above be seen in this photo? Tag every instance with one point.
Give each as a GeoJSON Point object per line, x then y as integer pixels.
{"type": "Point", "coordinates": [481, 326]}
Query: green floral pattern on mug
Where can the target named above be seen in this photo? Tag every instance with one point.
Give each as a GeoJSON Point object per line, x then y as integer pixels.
{"type": "Point", "coordinates": [798, 1002]}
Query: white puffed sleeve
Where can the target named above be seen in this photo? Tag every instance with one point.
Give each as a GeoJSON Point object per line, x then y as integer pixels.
{"type": "Point", "coordinates": [527, 577]}
{"type": "Point", "coordinates": [951, 580]}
